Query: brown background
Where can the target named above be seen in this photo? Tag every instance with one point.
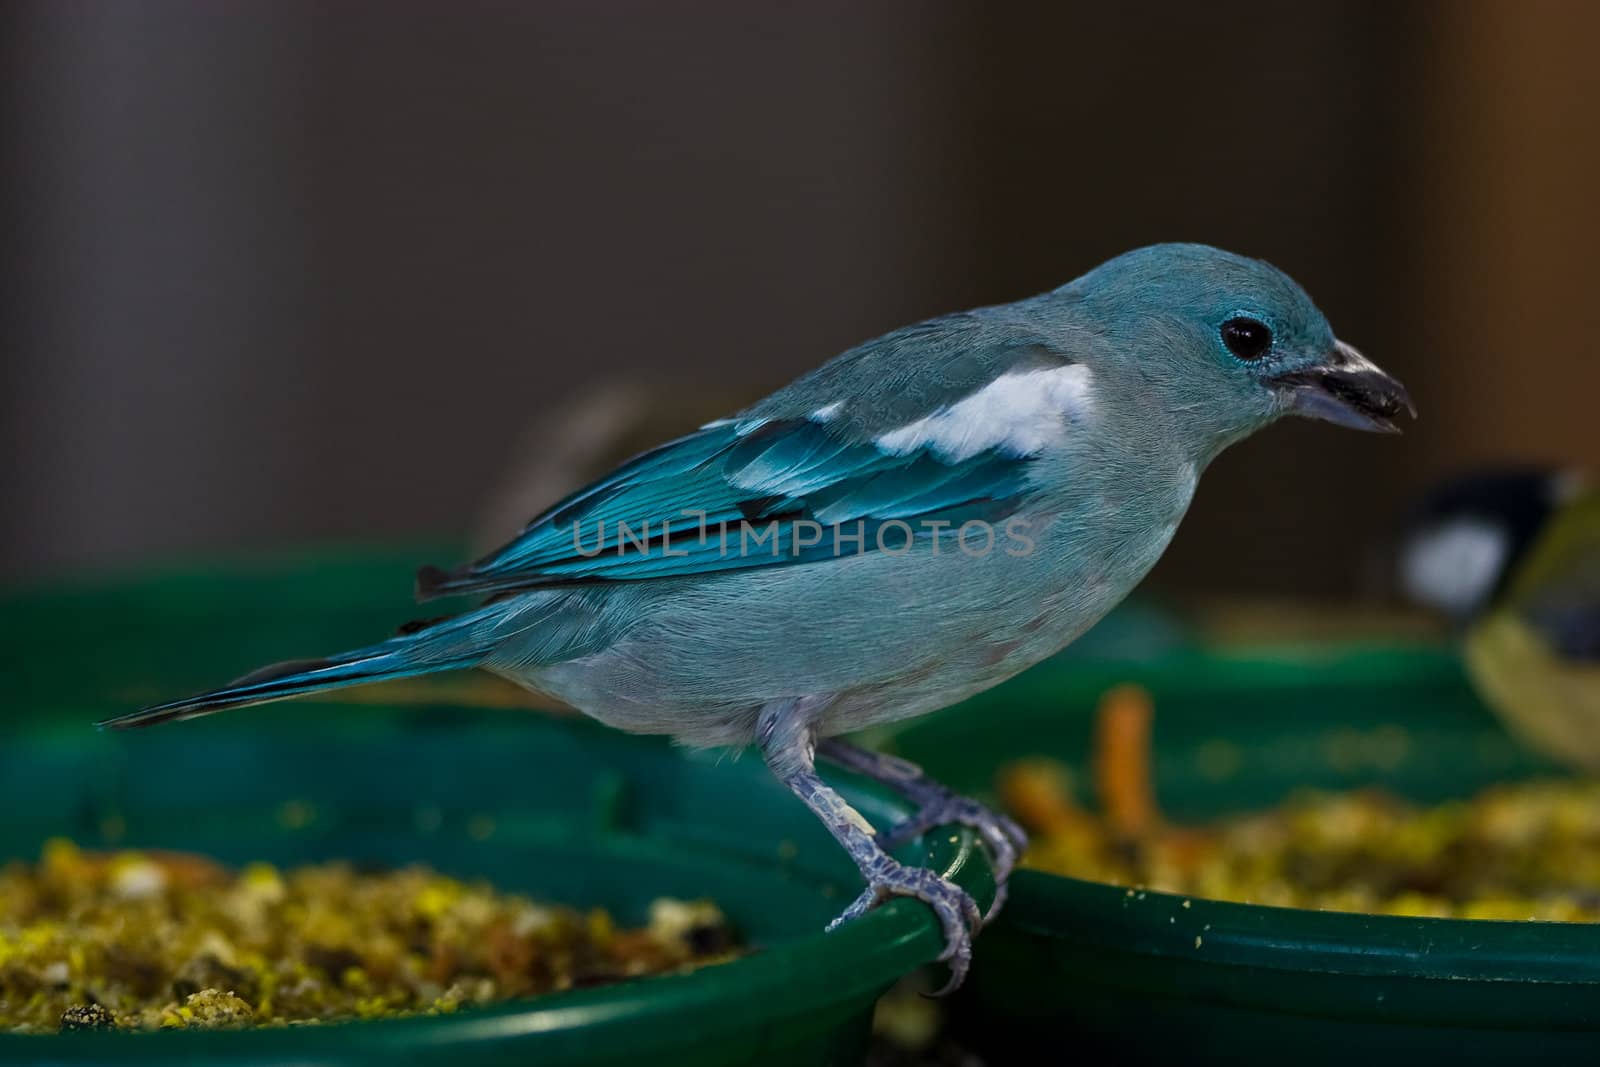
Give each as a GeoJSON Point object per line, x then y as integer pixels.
{"type": "Point", "coordinates": [277, 273]}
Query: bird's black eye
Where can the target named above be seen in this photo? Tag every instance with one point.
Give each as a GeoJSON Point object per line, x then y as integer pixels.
{"type": "Point", "coordinates": [1246, 338]}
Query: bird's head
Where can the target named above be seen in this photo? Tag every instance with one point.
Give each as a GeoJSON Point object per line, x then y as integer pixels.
{"type": "Point", "coordinates": [1463, 540]}
{"type": "Point", "coordinates": [1226, 343]}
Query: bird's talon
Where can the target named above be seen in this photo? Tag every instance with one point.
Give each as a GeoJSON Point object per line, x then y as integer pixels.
{"type": "Point", "coordinates": [869, 899]}
{"type": "Point", "coordinates": [1002, 838]}
{"type": "Point", "coordinates": [958, 914]}
{"type": "Point", "coordinates": [1001, 891]}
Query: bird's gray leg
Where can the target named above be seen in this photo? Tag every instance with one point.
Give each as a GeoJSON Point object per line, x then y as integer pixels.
{"type": "Point", "coordinates": [937, 805]}
{"type": "Point", "coordinates": [786, 732]}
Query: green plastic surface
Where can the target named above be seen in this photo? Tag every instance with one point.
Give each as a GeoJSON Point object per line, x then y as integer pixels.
{"type": "Point", "coordinates": [1089, 970]}
{"type": "Point", "coordinates": [558, 807]}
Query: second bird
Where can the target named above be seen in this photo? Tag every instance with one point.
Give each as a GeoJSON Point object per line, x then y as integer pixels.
{"type": "Point", "coordinates": [913, 522]}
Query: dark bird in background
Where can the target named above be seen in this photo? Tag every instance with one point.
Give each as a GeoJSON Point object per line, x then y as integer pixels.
{"type": "Point", "coordinates": [1513, 557]}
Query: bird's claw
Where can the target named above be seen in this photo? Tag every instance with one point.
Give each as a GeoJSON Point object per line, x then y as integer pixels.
{"type": "Point", "coordinates": [1002, 838]}
{"type": "Point", "coordinates": [958, 914]}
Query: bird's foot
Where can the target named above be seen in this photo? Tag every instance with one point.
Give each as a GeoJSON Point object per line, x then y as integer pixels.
{"type": "Point", "coordinates": [1002, 838]}
{"type": "Point", "coordinates": [937, 805]}
{"type": "Point", "coordinates": [958, 913]}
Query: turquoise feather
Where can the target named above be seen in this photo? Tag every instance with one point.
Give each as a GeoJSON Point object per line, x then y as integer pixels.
{"type": "Point", "coordinates": [1079, 420]}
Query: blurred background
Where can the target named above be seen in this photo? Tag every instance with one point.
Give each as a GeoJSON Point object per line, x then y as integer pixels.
{"type": "Point", "coordinates": [298, 273]}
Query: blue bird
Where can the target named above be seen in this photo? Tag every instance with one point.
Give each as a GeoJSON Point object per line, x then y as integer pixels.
{"type": "Point", "coordinates": [911, 523]}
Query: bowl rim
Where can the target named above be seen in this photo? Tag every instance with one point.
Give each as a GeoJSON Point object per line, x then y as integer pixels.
{"type": "Point", "coordinates": [1273, 937]}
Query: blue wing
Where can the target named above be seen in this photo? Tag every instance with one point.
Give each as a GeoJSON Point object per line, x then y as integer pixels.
{"type": "Point", "coordinates": [741, 495]}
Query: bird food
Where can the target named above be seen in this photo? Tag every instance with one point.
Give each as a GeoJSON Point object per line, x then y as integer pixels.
{"type": "Point", "coordinates": [1515, 851]}
{"type": "Point", "coordinates": [151, 940]}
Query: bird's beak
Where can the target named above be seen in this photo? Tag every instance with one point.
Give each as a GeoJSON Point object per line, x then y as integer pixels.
{"type": "Point", "coordinates": [1349, 390]}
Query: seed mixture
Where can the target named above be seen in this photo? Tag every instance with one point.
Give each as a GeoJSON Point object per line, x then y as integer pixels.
{"type": "Point", "coordinates": [151, 940]}
{"type": "Point", "coordinates": [1516, 851]}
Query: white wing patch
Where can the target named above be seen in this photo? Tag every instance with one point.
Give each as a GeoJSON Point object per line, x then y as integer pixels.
{"type": "Point", "coordinates": [1016, 413]}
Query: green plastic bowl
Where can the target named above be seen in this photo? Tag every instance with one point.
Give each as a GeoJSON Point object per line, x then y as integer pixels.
{"type": "Point", "coordinates": [557, 807]}
{"type": "Point", "coordinates": [1088, 968]}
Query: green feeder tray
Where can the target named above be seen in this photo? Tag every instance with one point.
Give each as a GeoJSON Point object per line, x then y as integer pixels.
{"type": "Point", "coordinates": [1088, 970]}
{"type": "Point", "coordinates": [557, 807]}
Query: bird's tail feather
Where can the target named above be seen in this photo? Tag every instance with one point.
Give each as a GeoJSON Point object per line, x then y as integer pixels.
{"type": "Point", "coordinates": [450, 644]}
